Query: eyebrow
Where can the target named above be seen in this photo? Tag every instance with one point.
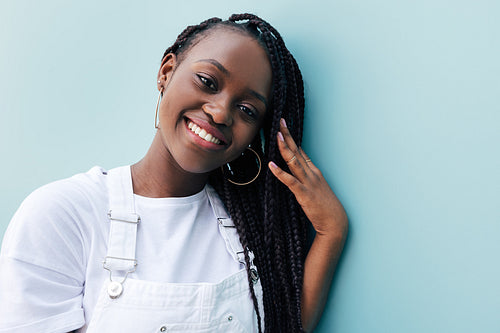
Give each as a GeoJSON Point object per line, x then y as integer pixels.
{"type": "Point", "coordinates": [226, 72]}
{"type": "Point", "coordinates": [216, 64]}
{"type": "Point", "coordinates": [259, 96]}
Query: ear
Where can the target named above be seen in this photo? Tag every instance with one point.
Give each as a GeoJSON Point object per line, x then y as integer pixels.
{"type": "Point", "coordinates": [166, 70]}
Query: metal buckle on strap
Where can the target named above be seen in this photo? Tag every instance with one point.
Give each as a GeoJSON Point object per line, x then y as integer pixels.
{"type": "Point", "coordinates": [229, 224]}
{"type": "Point", "coordinates": [128, 218]}
{"type": "Point", "coordinates": [254, 275]}
{"type": "Point", "coordinates": [241, 257]}
{"type": "Point", "coordinates": [104, 263]}
{"type": "Point", "coordinates": [115, 288]}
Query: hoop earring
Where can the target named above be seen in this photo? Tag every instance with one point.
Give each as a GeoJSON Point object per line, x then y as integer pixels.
{"type": "Point", "coordinates": [157, 107]}
{"type": "Point", "coordinates": [236, 172]}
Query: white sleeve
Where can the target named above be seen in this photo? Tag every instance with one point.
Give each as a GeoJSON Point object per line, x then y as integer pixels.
{"type": "Point", "coordinates": [42, 266]}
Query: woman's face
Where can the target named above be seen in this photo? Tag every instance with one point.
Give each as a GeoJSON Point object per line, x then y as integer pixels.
{"type": "Point", "coordinates": [214, 100]}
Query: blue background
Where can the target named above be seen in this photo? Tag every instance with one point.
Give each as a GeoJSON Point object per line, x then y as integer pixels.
{"type": "Point", "coordinates": [402, 117]}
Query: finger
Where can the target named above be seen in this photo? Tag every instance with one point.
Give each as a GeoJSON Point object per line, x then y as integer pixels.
{"type": "Point", "coordinates": [309, 163]}
{"type": "Point", "coordinates": [292, 159]}
{"type": "Point", "coordinates": [287, 179]}
{"type": "Point", "coordinates": [307, 159]}
{"type": "Point", "coordinates": [290, 141]}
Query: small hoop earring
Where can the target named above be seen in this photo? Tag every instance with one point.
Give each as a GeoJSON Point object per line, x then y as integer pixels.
{"type": "Point", "coordinates": [157, 107]}
{"type": "Point", "coordinates": [236, 172]}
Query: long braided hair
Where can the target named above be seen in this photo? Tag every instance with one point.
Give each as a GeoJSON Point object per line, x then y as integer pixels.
{"type": "Point", "coordinates": [268, 219]}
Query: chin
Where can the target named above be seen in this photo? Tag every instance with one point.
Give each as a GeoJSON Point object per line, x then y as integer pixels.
{"type": "Point", "coordinates": [197, 168]}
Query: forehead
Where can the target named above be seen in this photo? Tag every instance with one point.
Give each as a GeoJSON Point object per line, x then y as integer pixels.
{"type": "Point", "coordinates": [237, 52]}
{"type": "Point", "coordinates": [219, 40]}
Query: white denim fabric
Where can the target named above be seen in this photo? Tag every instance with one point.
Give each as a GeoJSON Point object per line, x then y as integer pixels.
{"type": "Point", "coordinates": [148, 306]}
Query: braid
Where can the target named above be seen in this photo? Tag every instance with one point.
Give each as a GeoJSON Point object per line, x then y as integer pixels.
{"type": "Point", "coordinates": [185, 37]}
{"type": "Point", "coordinates": [266, 215]}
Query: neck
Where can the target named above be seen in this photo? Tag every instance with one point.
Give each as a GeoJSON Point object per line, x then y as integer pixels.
{"type": "Point", "coordinates": [158, 175]}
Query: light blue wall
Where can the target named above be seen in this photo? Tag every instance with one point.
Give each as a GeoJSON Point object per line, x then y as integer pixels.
{"type": "Point", "coordinates": [403, 118]}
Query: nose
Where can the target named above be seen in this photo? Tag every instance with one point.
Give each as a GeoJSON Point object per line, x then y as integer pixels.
{"type": "Point", "coordinates": [219, 112]}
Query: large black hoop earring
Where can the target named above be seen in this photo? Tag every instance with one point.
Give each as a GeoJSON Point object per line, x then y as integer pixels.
{"type": "Point", "coordinates": [239, 171]}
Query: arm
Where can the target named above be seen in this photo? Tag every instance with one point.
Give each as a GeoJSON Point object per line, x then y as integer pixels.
{"type": "Point", "coordinates": [41, 278]}
{"type": "Point", "coordinates": [319, 268]}
{"type": "Point", "coordinates": [327, 216]}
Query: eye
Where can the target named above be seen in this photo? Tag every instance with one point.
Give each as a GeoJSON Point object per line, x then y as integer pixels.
{"type": "Point", "coordinates": [249, 111]}
{"type": "Point", "coordinates": [208, 82]}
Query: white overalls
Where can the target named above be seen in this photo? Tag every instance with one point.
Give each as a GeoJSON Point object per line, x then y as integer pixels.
{"type": "Point", "coordinates": [130, 305]}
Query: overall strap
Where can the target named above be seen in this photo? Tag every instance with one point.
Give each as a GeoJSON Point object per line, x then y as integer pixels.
{"type": "Point", "coordinates": [229, 232]}
{"type": "Point", "coordinates": [123, 222]}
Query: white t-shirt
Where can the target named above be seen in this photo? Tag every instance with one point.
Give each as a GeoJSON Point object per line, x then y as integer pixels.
{"type": "Point", "coordinates": [51, 259]}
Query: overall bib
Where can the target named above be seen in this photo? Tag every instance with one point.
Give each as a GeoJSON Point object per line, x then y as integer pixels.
{"type": "Point", "coordinates": [130, 305]}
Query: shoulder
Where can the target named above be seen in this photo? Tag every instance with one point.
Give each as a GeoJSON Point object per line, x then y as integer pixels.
{"type": "Point", "coordinates": [68, 199]}
{"type": "Point", "coordinates": [69, 193]}
{"type": "Point", "coordinates": [57, 219]}
{"type": "Point", "coordinates": [46, 250]}
{"type": "Point", "coordinates": [64, 200]}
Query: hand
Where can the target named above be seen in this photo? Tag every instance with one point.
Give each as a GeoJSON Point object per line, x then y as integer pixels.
{"type": "Point", "coordinates": [319, 203]}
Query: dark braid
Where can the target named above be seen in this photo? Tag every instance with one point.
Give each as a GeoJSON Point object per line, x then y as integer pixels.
{"type": "Point", "coordinates": [267, 217]}
{"type": "Point", "coordinates": [185, 39]}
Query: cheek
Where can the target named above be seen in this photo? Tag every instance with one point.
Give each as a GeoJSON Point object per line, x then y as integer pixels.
{"type": "Point", "coordinates": [246, 138]}
{"type": "Point", "coordinates": [172, 102]}
{"type": "Point", "coordinates": [165, 112]}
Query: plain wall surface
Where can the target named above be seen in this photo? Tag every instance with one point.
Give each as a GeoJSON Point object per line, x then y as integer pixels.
{"type": "Point", "coordinates": [402, 118]}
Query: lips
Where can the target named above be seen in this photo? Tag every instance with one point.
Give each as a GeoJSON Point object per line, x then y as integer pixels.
{"type": "Point", "coordinates": [206, 132]}
{"type": "Point", "coordinates": [202, 133]}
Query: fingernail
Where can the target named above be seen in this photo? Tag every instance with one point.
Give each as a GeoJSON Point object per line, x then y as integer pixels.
{"type": "Point", "coordinates": [280, 136]}
{"type": "Point", "coordinates": [272, 165]}
{"type": "Point", "coordinates": [282, 122]}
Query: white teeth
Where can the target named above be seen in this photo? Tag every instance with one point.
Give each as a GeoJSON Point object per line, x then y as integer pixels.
{"type": "Point", "coordinates": [203, 133]}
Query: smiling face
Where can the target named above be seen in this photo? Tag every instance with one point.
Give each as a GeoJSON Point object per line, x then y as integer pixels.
{"type": "Point", "coordinates": [214, 100]}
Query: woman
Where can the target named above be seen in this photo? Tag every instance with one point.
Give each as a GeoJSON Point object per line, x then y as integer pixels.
{"type": "Point", "coordinates": [199, 235]}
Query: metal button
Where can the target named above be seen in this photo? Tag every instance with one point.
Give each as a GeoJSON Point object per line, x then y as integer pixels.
{"type": "Point", "coordinates": [115, 289]}
{"type": "Point", "coordinates": [229, 318]}
{"type": "Point", "coordinates": [163, 329]}
{"type": "Point", "coordinates": [254, 275]}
